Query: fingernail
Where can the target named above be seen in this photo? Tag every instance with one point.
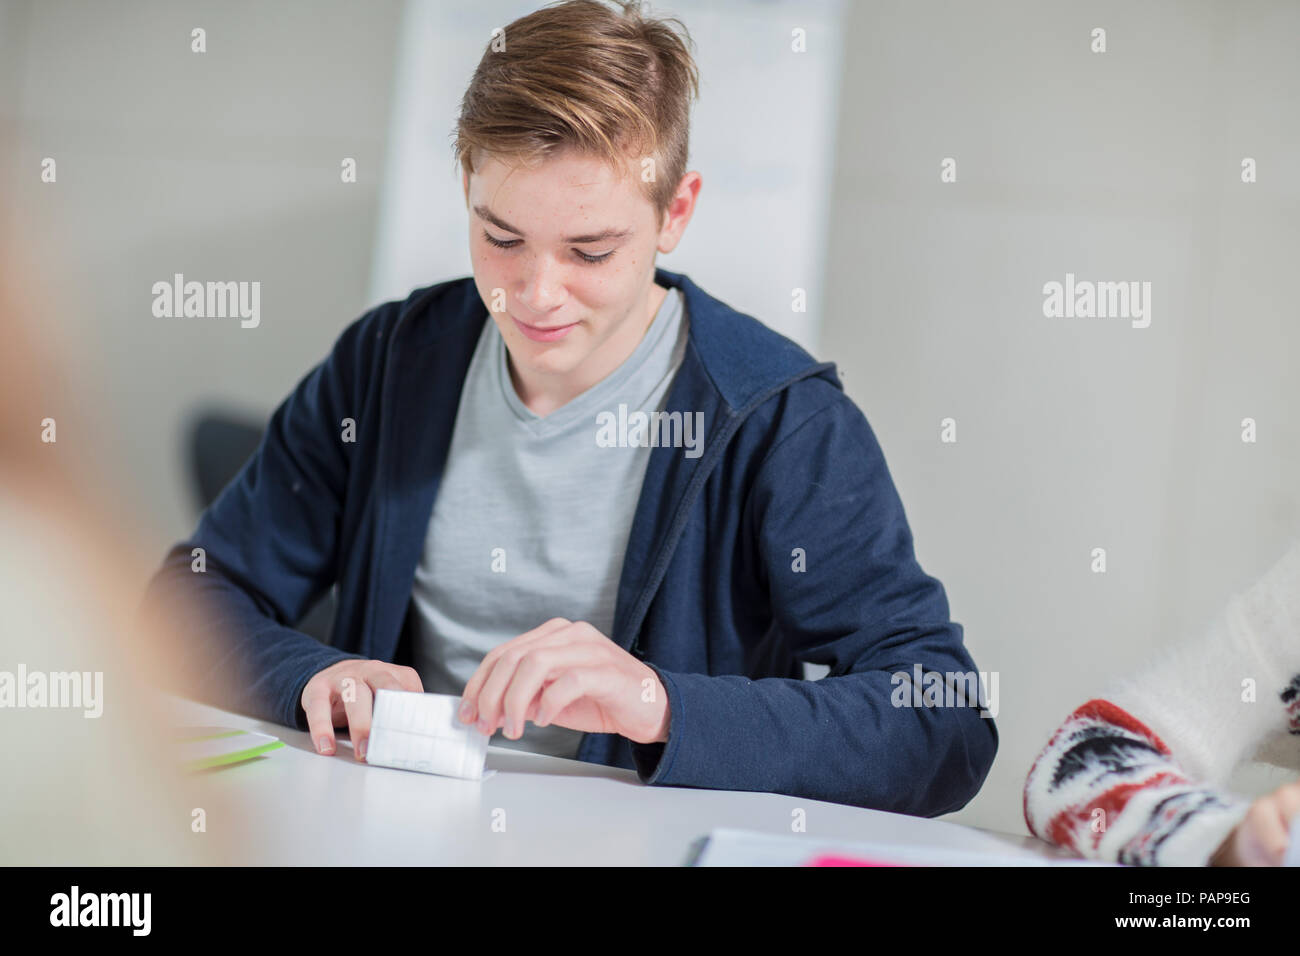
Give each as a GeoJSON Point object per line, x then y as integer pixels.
{"type": "Point", "coordinates": [482, 727]}
{"type": "Point", "coordinates": [361, 749]}
{"type": "Point", "coordinates": [324, 746]}
{"type": "Point", "coordinates": [466, 711]}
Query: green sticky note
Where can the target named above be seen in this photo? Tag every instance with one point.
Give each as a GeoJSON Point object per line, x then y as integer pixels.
{"type": "Point", "coordinates": [204, 747]}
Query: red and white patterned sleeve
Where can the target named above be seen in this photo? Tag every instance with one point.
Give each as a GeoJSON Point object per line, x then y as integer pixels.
{"type": "Point", "coordinates": [1108, 788]}
{"type": "Point", "coordinates": [1137, 776]}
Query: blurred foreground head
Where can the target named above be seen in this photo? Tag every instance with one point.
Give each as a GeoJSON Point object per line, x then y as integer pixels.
{"type": "Point", "coordinates": [95, 783]}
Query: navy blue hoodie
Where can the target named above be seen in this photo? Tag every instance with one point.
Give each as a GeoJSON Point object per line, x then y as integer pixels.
{"type": "Point", "coordinates": [784, 542]}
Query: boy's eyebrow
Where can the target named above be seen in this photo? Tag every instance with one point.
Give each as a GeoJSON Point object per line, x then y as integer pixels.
{"type": "Point", "coordinates": [485, 213]}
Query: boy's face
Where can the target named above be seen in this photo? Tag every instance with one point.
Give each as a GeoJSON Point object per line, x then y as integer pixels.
{"type": "Point", "coordinates": [564, 298]}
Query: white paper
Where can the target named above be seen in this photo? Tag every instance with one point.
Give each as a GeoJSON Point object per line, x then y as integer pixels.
{"type": "Point", "coordinates": [727, 847]}
{"type": "Point", "coordinates": [412, 731]}
{"type": "Point", "coordinates": [1293, 848]}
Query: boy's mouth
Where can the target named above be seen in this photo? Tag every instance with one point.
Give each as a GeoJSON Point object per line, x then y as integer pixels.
{"type": "Point", "coordinates": [543, 334]}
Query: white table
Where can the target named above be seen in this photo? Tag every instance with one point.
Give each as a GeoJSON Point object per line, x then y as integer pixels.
{"type": "Point", "coordinates": [315, 810]}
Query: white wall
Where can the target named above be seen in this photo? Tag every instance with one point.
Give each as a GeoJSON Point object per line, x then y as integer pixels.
{"type": "Point", "coordinates": [1073, 433]}
{"type": "Point", "coordinates": [221, 166]}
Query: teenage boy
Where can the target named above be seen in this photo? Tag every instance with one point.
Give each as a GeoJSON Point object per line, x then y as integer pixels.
{"type": "Point", "coordinates": [613, 514]}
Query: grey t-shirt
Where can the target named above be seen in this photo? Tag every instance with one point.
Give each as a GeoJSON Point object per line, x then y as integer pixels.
{"type": "Point", "coordinates": [533, 513]}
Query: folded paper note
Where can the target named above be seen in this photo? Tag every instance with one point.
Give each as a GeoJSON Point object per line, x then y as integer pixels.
{"type": "Point", "coordinates": [1293, 848]}
{"type": "Point", "coordinates": [412, 731]}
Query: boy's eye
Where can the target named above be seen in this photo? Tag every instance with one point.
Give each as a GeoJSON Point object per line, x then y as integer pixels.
{"type": "Point", "coordinates": [511, 243]}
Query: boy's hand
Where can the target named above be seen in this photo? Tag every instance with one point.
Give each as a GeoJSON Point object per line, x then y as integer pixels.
{"type": "Point", "coordinates": [342, 695]}
{"type": "Point", "coordinates": [1261, 838]}
{"type": "Point", "coordinates": [570, 674]}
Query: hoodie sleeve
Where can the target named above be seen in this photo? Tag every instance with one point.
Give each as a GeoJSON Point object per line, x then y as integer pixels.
{"type": "Point", "coordinates": [266, 548]}
{"type": "Point", "coordinates": [1137, 775]}
{"type": "Point", "coordinates": [896, 724]}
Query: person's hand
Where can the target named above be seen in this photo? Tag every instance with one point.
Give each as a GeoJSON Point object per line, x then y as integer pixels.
{"type": "Point", "coordinates": [1261, 838]}
{"type": "Point", "coordinates": [342, 695]}
{"type": "Point", "coordinates": [566, 673]}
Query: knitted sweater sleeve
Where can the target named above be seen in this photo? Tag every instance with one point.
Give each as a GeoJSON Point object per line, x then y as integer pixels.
{"type": "Point", "coordinates": [1136, 776]}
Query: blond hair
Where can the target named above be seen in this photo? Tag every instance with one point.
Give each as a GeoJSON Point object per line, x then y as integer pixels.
{"type": "Point", "coordinates": [580, 75]}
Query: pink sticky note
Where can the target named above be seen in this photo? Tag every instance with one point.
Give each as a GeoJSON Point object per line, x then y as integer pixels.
{"type": "Point", "coordinates": [828, 859]}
